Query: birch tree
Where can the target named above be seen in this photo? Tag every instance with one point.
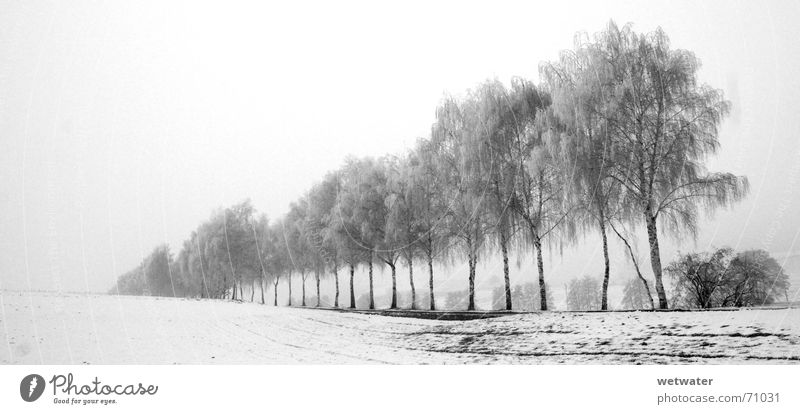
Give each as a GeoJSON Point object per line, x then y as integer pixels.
{"type": "Point", "coordinates": [426, 185]}
{"type": "Point", "coordinates": [498, 168]}
{"type": "Point", "coordinates": [539, 186]}
{"type": "Point", "coordinates": [344, 224]}
{"type": "Point", "coordinates": [322, 209]}
{"type": "Point", "coordinates": [455, 137]}
{"type": "Point", "coordinates": [665, 125]}
{"type": "Point", "coordinates": [581, 101]}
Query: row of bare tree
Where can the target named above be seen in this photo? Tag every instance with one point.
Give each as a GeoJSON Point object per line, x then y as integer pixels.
{"type": "Point", "coordinates": [612, 139]}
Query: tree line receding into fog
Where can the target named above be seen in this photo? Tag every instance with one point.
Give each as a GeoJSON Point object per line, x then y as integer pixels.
{"type": "Point", "coordinates": [613, 139]}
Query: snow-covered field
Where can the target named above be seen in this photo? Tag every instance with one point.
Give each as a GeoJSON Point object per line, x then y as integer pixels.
{"type": "Point", "coordinates": [55, 328]}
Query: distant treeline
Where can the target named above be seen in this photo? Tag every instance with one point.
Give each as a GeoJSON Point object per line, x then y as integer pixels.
{"type": "Point", "coordinates": [612, 140]}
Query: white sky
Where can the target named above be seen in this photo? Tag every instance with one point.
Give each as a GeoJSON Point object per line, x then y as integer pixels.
{"type": "Point", "coordinates": [123, 124]}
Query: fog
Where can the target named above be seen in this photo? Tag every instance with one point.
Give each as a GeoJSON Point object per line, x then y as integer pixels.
{"type": "Point", "coordinates": [123, 124]}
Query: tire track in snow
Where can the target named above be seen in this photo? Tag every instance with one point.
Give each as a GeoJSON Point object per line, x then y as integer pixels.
{"type": "Point", "coordinates": [306, 348]}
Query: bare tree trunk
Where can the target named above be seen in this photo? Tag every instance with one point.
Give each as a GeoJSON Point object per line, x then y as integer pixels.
{"type": "Point", "coordinates": [471, 305]}
{"type": "Point", "coordinates": [607, 269]}
{"type": "Point", "coordinates": [537, 242]}
{"type": "Point", "coordinates": [507, 278]}
{"type": "Point", "coordinates": [371, 296]}
{"type": "Point", "coordinates": [275, 290]}
{"type": "Point", "coordinates": [636, 266]}
{"type": "Point", "coordinates": [411, 280]}
{"type": "Point", "coordinates": [303, 279]}
{"type": "Point", "coordinates": [289, 280]}
{"type": "Point", "coordinates": [394, 286]}
{"type": "Point", "coordinates": [540, 266]}
{"type": "Point", "coordinates": [316, 276]}
{"type": "Point", "coordinates": [261, 284]}
{"type": "Point", "coordinates": [655, 259]}
{"type": "Point", "coordinates": [430, 282]}
{"type": "Point", "coordinates": [241, 295]}
{"type": "Point", "coordinates": [352, 292]}
{"type": "Point", "coordinates": [336, 279]}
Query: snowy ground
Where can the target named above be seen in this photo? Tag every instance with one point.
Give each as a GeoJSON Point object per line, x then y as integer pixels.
{"type": "Point", "coordinates": [55, 328]}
